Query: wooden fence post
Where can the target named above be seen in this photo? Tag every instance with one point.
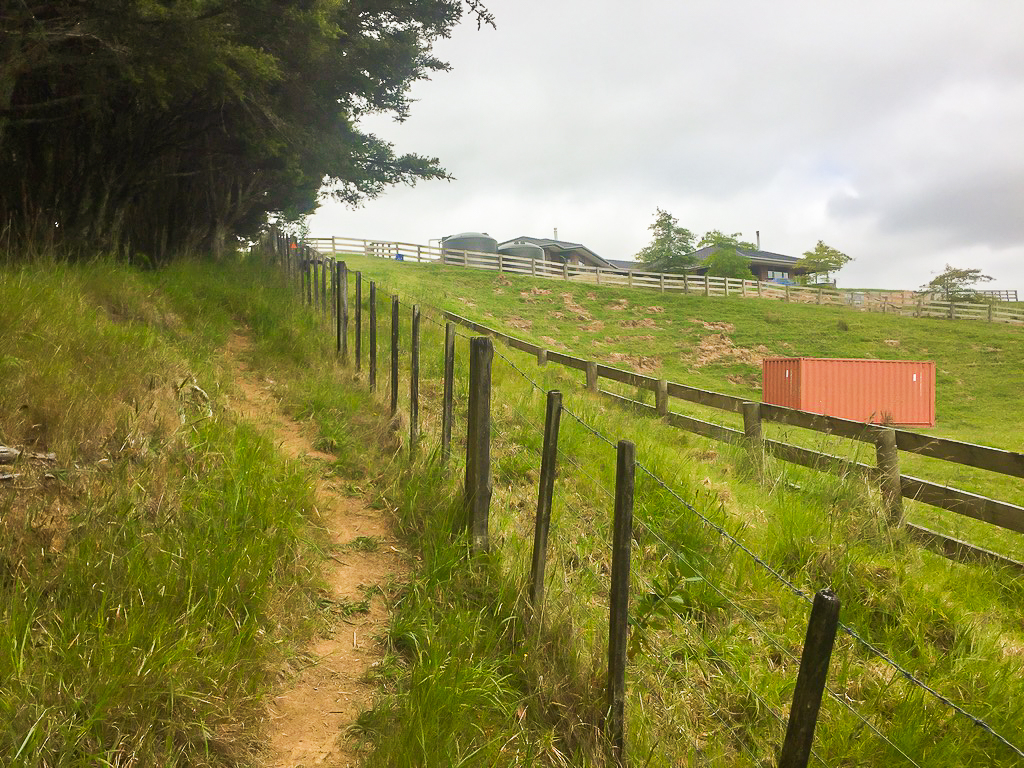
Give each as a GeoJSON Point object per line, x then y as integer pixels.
{"type": "Point", "coordinates": [315, 301]}
{"type": "Point", "coordinates": [592, 376]}
{"type": "Point", "coordinates": [625, 470]}
{"type": "Point", "coordinates": [686, 284]}
{"type": "Point", "coordinates": [990, 305]}
{"type": "Point", "coordinates": [308, 269]}
{"type": "Point", "coordinates": [565, 270]}
{"type": "Point", "coordinates": [414, 380]}
{"type": "Point", "coordinates": [810, 680]}
{"type": "Point", "coordinates": [478, 443]}
{"type": "Point", "coordinates": [323, 288]}
{"type": "Point", "coordinates": [661, 397]}
{"type": "Point", "coordinates": [759, 288]}
{"type": "Point", "coordinates": [359, 320]}
{"type": "Point", "coordinates": [373, 336]}
{"type": "Point", "coordinates": [395, 320]}
{"type": "Point", "coordinates": [542, 357]}
{"type": "Point", "coordinates": [447, 408]}
{"type": "Point", "coordinates": [888, 462]}
{"type": "Point", "coordinates": [342, 289]}
{"type": "Point", "coordinates": [545, 494]}
{"type": "Point", "coordinates": [752, 432]}
{"type": "Point", "coordinates": [787, 293]}
{"type": "Point", "coordinates": [707, 285]}
{"type": "Point", "coordinates": [661, 281]}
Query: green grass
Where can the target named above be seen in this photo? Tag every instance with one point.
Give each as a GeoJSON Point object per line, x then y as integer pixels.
{"type": "Point", "coordinates": [695, 661]}
{"type": "Point", "coordinates": [709, 343]}
{"type": "Point", "coordinates": [153, 579]}
{"type": "Point", "coordinates": [471, 676]}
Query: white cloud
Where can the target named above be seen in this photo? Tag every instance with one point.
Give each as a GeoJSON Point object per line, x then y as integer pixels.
{"type": "Point", "coordinates": [889, 130]}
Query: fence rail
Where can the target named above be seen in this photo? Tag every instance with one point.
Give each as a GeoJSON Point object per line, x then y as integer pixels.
{"type": "Point", "coordinates": [902, 303]}
{"type": "Point", "coordinates": [824, 623]}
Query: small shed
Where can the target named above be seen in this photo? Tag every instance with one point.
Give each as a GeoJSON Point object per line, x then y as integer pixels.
{"type": "Point", "coordinates": [897, 392]}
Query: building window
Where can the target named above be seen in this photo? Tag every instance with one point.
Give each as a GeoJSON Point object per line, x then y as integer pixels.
{"type": "Point", "coordinates": [773, 274]}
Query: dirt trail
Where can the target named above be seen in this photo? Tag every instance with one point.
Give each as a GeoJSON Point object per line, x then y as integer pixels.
{"type": "Point", "coordinates": [317, 701]}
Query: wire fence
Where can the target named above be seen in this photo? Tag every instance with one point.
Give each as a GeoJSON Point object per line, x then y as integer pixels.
{"type": "Point", "coordinates": [661, 508]}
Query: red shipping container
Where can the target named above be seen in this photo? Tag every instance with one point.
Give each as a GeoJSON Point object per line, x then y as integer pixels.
{"type": "Point", "coordinates": [876, 391]}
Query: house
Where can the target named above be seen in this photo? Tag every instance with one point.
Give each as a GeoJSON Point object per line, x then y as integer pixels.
{"type": "Point", "coordinates": [765, 265]}
{"type": "Point", "coordinates": [563, 252]}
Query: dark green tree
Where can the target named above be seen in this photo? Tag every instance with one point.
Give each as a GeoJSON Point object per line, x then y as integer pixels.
{"type": "Point", "coordinates": [725, 258]}
{"type": "Point", "coordinates": [672, 248]}
{"type": "Point", "coordinates": [956, 284]}
{"type": "Point", "coordinates": [158, 128]}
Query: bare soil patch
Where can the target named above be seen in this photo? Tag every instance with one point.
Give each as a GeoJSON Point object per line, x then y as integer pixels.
{"type": "Point", "coordinates": [322, 693]}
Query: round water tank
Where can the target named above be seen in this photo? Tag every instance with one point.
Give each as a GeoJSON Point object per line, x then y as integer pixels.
{"type": "Point", "coordinates": [523, 250]}
{"type": "Point", "coordinates": [480, 242]}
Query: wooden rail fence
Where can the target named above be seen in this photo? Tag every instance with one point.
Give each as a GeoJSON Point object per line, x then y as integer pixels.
{"type": "Point", "coordinates": [902, 303]}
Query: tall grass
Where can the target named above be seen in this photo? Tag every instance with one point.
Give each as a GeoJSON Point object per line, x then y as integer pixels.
{"type": "Point", "coordinates": [717, 636]}
{"type": "Point", "coordinates": [151, 580]}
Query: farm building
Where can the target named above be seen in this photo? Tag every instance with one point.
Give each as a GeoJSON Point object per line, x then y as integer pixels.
{"type": "Point", "coordinates": [561, 251]}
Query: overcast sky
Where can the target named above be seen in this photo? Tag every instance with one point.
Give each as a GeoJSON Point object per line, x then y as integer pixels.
{"type": "Point", "coordinates": [893, 131]}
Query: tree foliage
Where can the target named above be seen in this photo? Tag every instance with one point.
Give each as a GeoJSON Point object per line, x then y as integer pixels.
{"type": "Point", "coordinates": [163, 126]}
{"type": "Point", "coordinates": [672, 248]}
{"type": "Point", "coordinates": [725, 259]}
{"type": "Point", "coordinates": [956, 284]}
{"type": "Point", "coordinates": [823, 260]}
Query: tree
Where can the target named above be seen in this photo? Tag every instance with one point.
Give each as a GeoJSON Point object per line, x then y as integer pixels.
{"type": "Point", "coordinates": [955, 284]}
{"type": "Point", "coordinates": [159, 128]}
{"type": "Point", "coordinates": [823, 260]}
{"type": "Point", "coordinates": [672, 248]}
{"type": "Point", "coordinates": [725, 259]}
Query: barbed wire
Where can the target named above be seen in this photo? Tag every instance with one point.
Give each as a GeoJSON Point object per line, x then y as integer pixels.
{"type": "Point", "coordinates": [848, 630]}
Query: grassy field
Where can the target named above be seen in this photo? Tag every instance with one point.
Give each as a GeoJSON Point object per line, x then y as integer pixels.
{"type": "Point", "coordinates": [718, 343]}
{"type": "Point", "coordinates": [151, 586]}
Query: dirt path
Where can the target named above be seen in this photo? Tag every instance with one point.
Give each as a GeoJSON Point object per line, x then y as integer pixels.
{"type": "Point", "coordinates": [325, 692]}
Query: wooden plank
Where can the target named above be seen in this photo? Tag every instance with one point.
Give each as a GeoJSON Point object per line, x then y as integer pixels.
{"type": "Point", "coordinates": [822, 462]}
{"type": "Point", "coordinates": [1000, 513]}
{"type": "Point", "coordinates": [980, 456]}
{"type": "Point", "coordinates": [829, 425]}
{"type": "Point", "coordinates": [958, 550]}
{"type": "Point", "coordinates": [705, 397]}
{"type": "Point", "coordinates": [626, 377]}
{"type": "Point", "coordinates": [703, 428]}
{"type": "Point", "coordinates": [523, 346]}
{"type": "Point", "coordinates": [567, 360]}
{"type": "Point", "coordinates": [618, 598]}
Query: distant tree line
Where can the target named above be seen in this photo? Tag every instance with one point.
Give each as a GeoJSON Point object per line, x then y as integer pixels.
{"type": "Point", "coordinates": [159, 127]}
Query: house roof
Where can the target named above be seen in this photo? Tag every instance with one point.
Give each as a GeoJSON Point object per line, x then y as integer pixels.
{"type": "Point", "coordinates": [755, 256]}
{"type": "Point", "coordinates": [557, 245]}
{"type": "Point", "coordinates": [625, 263]}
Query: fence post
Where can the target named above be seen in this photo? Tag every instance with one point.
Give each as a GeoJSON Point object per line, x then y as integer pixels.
{"type": "Point", "coordinates": [752, 432]}
{"type": "Point", "coordinates": [686, 284]}
{"type": "Point", "coordinates": [500, 265]}
{"type": "Point", "coordinates": [629, 278]}
{"type": "Point", "coordinates": [533, 267]}
{"type": "Point", "coordinates": [334, 245]}
{"type": "Point", "coordinates": [759, 288]}
{"type": "Point", "coordinates": [661, 281]}
{"type": "Point", "coordinates": [888, 462]}
{"type": "Point", "coordinates": [707, 285]}
{"type": "Point", "coordinates": [323, 288]}
{"type": "Point", "coordinates": [449, 393]}
{"type": "Point", "coordinates": [592, 376]}
{"type": "Point", "coordinates": [598, 273]}
{"type": "Point", "coordinates": [395, 320]}
{"type": "Point", "coordinates": [478, 443]}
{"type": "Point", "coordinates": [810, 680]}
{"type": "Point", "coordinates": [359, 320]}
{"type": "Point", "coordinates": [414, 380]}
{"type": "Point", "coordinates": [787, 293]}
{"type": "Point", "coordinates": [819, 295]}
{"type": "Point", "coordinates": [565, 270]}
{"type": "Point", "coordinates": [310, 279]}
{"type": "Point", "coordinates": [990, 305]}
{"type": "Point", "coordinates": [952, 311]}
{"type": "Point", "coordinates": [542, 357]}
{"type": "Point", "coordinates": [342, 289]}
{"type": "Point", "coordinates": [373, 336]}
{"type": "Point", "coordinates": [625, 469]}
{"type": "Point", "coordinates": [315, 301]}
{"type": "Point", "coordinates": [661, 397]}
{"type": "Point", "coordinates": [544, 496]}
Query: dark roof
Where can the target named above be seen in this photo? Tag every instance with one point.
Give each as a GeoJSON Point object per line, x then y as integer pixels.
{"type": "Point", "coordinates": [556, 245]}
{"type": "Point", "coordinates": [758, 257]}
{"type": "Point", "coordinates": [625, 263]}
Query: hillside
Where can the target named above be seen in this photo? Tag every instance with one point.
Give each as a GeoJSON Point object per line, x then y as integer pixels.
{"type": "Point", "coordinates": [165, 575]}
